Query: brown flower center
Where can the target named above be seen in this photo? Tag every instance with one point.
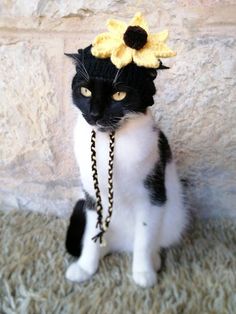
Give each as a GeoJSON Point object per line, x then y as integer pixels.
{"type": "Point", "coordinates": [135, 37]}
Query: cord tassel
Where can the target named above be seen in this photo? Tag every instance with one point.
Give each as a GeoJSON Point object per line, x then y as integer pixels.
{"type": "Point", "coordinates": [103, 225]}
{"type": "Point", "coordinates": [100, 237]}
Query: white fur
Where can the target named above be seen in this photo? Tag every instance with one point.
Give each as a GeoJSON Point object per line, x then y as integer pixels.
{"type": "Point", "coordinates": [136, 225]}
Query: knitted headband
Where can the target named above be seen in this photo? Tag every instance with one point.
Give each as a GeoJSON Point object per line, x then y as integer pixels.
{"type": "Point", "coordinates": [102, 68]}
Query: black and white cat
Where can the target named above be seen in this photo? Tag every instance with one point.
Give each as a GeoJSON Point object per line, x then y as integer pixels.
{"type": "Point", "coordinates": [148, 213]}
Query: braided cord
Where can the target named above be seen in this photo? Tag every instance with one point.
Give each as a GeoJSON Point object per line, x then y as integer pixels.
{"type": "Point", "coordinates": [103, 225]}
{"type": "Point", "coordinates": [95, 179]}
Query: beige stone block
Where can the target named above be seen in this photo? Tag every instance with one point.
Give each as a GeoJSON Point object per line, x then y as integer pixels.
{"type": "Point", "coordinates": [35, 143]}
{"type": "Point", "coordinates": [29, 98]}
{"type": "Point", "coordinates": [58, 9]}
{"type": "Point", "coordinates": [61, 16]}
{"type": "Point", "coordinates": [89, 16]}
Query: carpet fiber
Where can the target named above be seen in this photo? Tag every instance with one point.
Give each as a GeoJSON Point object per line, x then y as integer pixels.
{"type": "Point", "coordinates": [199, 275]}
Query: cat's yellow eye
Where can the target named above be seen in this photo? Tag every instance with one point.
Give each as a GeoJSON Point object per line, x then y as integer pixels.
{"type": "Point", "coordinates": [119, 96]}
{"type": "Point", "coordinates": [85, 92]}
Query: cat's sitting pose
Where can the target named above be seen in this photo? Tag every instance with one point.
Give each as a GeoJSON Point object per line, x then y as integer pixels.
{"type": "Point", "coordinates": [148, 211]}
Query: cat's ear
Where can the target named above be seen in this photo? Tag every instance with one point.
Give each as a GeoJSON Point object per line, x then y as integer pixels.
{"type": "Point", "coordinates": [78, 59]}
{"type": "Point", "coordinates": [162, 66]}
{"type": "Point", "coordinates": [153, 72]}
{"type": "Point", "coordinates": [73, 56]}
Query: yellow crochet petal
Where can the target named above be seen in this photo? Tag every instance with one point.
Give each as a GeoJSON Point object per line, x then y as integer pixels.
{"type": "Point", "coordinates": [121, 56]}
{"type": "Point", "coordinates": [161, 50]}
{"type": "Point", "coordinates": [116, 26]}
{"type": "Point", "coordinates": [138, 20]}
{"type": "Point", "coordinates": [104, 44]}
{"type": "Point", "coordinates": [146, 58]}
{"type": "Point", "coordinates": [162, 36]}
{"type": "Point", "coordinates": [105, 37]}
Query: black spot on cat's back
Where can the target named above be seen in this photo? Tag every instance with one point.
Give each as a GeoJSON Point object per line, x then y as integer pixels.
{"type": "Point", "coordinates": [155, 181]}
{"type": "Point", "coordinates": [155, 184]}
{"type": "Point", "coordinates": [164, 149]}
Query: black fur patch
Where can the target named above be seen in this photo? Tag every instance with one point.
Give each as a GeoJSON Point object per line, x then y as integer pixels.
{"type": "Point", "coordinates": [76, 229]}
{"type": "Point", "coordinates": [164, 149]}
{"type": "Point", "coordinates": [90, 202]}
{"type": "Point", "coordinates": [155, 181]}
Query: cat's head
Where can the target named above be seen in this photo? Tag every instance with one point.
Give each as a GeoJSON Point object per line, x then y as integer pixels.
{"type": "Point", "coordinates": [106, 96]}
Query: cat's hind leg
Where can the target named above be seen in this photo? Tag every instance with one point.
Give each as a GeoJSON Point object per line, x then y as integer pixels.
{"type": "Point", "coordinates": [176, 214]}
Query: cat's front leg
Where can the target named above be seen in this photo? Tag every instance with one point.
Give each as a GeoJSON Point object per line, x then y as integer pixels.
{"type": "Point", "coordinates": [87, 263]}
{"type": "Point", "coordinates": [146, 259]}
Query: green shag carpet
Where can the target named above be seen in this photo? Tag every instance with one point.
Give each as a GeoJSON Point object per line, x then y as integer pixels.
{"type": "Point", "coordinates": [199, 275]}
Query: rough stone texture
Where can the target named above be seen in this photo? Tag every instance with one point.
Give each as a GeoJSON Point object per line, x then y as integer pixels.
{"type": "Point", "coordinates": [195, 101]}
{"type": "Point", "coordinates": [33, 168]}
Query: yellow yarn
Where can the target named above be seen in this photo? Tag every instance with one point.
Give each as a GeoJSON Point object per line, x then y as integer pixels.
{"type": "Point", "coordinates": [111, 44]}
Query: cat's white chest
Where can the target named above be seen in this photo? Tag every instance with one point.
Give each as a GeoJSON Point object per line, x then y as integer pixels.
{"type": "Point", "coordinates": [134, 157]}
{"type": "Point", "coordinates": [135, 154]}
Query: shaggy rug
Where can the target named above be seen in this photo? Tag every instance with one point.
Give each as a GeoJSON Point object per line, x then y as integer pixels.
{"type": "Point", "coordinates": [199, 275]}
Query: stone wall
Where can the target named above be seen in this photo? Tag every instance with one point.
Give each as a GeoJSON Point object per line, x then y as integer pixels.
{"type": "Point", "coordinates": [195, 101]}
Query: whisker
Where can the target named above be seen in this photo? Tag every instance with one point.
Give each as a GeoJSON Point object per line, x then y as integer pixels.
{"type": "Point", "coordinates": [81, 68]}
{"type": "Point", "coordinates": [111, 124]}
{"type": "Point", "coordinates": [82, 64]}
{"type": "Point", "coordinates": [82, 72]}
{"type": "Point", "coordinates": [118, 74]}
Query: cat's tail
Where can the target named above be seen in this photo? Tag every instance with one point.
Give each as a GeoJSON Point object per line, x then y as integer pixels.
{"type": "Point", "coordinates": [75, 231]}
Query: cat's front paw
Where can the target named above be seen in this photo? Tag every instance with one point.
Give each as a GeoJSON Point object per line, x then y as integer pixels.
{"type": "Point", "coordinates": [76, 273]}
{"type": "Point", "coordinates": [145, 279]}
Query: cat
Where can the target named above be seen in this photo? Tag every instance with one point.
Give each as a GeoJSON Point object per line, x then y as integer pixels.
{"type": "Point", "coordinates": [148, 212]}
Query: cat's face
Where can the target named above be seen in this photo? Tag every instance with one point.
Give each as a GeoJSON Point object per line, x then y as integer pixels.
{"type": "Point", "coordinates": [106, 96]}
{"type": "Point", "coordinates": [105, 105]}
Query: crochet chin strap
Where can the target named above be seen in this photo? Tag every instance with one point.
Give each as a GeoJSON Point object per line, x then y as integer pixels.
{"type": "Point", "coordinates": [102, 224]}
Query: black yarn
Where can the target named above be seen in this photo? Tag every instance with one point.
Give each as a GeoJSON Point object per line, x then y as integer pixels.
{"type": "Point", "coordinates": [139, 78]}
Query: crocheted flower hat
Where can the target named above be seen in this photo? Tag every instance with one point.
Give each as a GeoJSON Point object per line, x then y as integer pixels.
{"type": "Point", "coordinates": [124, 44]}
{"type": "Point", "coordinates": [127, 53]}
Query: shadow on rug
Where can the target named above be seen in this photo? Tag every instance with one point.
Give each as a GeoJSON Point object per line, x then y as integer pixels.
{"type": "Point", "coordinates": [199, 274]}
